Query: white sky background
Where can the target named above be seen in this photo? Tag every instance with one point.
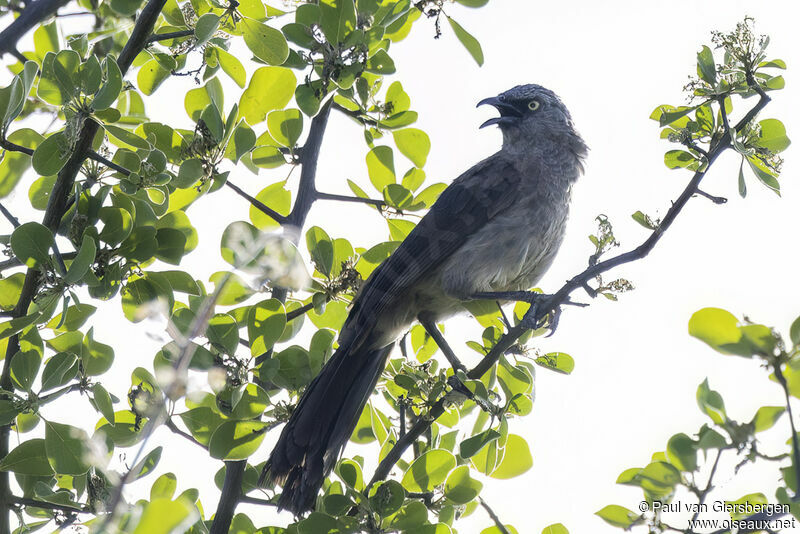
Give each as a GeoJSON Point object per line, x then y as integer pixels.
{"type": "Point", "coordinates": [636, 367]}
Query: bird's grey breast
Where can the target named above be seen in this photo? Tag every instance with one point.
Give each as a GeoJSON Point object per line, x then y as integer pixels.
{"type": "Point", "coordinates": [514, 249]}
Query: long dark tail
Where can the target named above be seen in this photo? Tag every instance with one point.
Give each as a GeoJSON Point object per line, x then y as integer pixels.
{"type": "Point", "coordinates": [316, 433]}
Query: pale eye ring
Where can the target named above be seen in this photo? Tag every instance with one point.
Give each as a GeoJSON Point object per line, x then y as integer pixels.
{"type": "Point", "coordinates": [533, 105]}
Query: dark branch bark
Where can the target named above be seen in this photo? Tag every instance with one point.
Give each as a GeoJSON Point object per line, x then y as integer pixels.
{"type": "Point", "coordinates": [499, 524]}
{"type": "Point", "coordinates": [562, 295]}
{"type": "Point", "coordinates": [360, 117]}
{"type": "Point", "coordinates": [24, 501]}
{"type": "Point", "coordinates": [307, 190]}
{"type": "Point", "coordinates": [344, 198]}
{"type": "Point", "coordinates": [280, 219]}
{"type": "Point", "coordinates": [169, 35]}
{"type": "Point", "coordinates": [35, 12]}
{"type": "Point", "coordinates": [8, 215]}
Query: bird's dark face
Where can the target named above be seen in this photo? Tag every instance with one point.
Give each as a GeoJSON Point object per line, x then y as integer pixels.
{"type": "Point", "coordinates": [530, 110]}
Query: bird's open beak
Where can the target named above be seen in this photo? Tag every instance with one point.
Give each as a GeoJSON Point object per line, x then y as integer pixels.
{"type": "Point", "coordinates": [508, 113]}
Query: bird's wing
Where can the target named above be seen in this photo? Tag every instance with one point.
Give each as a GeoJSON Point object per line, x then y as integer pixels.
{"type": "Point", "coordinates": [472, 200]}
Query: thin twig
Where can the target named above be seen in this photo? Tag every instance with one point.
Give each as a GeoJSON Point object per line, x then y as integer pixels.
{"type": "Point", "coordinates": [499, 524]}
{"type": "Point", "coordinates": [360, 117]}
{"type": "Point", "coordinates": [169, 35]}
{"type": "Point", "coordinates": [345, 198]}
{"type": "Point", "coordinates": [712, 198]}
{"type": "Point", "coordinates": [25, 501]}
{"type": "Point", "coordinates": [7, 214]}
{"type": "Point", "coordinates": [280, 219]}
{"type": "Point", "coordinates": [174, 428]}
{"type": "Point", "coordinates": [255, 500]}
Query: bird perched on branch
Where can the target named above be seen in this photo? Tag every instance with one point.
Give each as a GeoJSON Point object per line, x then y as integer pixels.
{"type": "Point", "coordinates": [491, 234]}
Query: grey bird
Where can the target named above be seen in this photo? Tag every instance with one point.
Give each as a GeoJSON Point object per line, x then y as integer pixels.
{"type": "Point", "coordinates": [494, 231]}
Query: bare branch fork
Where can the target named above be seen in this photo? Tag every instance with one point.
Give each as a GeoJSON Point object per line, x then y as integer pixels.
{"type": "Point", "coordinates": [552, 302]}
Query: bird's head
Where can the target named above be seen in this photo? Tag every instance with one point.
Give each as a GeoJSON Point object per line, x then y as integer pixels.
{"type": "Point", "coordinates": [529, 113]}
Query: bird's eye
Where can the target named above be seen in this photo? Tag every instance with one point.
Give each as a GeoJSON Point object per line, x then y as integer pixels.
{"type": "Point", "coordinates": [533, 105]}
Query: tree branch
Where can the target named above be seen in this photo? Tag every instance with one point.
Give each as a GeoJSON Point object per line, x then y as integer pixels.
{"type": "Point", "coordinates": [34, 13]}
{"type": "Point", "coordinates": [499, 524]}
{"type": "Point", "coordinates": [169, 35]}
{"type": "Point", "coordinates": [280, 219]}
{"type": "Point", "coordinates": [307, 190]}
{"type": "Point", "coordinates": [8, 215]}
{"type": "Point", "coordinates": [345, 198]}
{"type": "Point", "coordinates": [24, 501]}
{"type": "Point", "coordinates": [562, 296]}
{"type": "Point", "coordinates": [360, 117]}
{"type": "Point", "coordinates": [174, 428]}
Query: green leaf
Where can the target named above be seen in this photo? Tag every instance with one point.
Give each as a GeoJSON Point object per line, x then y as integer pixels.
{"type": "Point", "coordinates": [28, 458]}
{"type": "Point", "coordinates": [517, 458]}
{"type": "Point", "coordinates": [164, 487]}
{"type": "Point", "coordinates": [678, 159]}
{"type": "Point", "coordinates": [556, 528]}
{"type": "Point", "coordinates": [618, 516]}
{"type": "Point", "coordinates": [720, 330]}
{"type": "Point", "coordinates": [14, 164]}
{"type": "Point", "coordinates": [51, 154]}
{"type": "Point", "coordinates": [201, 422]}
{"type": "Point", "coordinates": [794, 331]}
{"type": "Point", "coordinates": [765, 175]}
{"type": "Point", "coordinates": [171, 245]}
{"type": "Point", "coordinates": [380, 63]}
{"type": "Point", "coordinates": [66, 448]}
{"type": "Point", "coordinates": [270, 88]}
{"type": "Point", "coordinates": [266, 43]}
{"type": "Point", "coordinates": [236, 440]}
{"type": "Point", "coordinates": [251, 405]}
{"type": "Point", "coordinates": [265, 324]}
{"type": "Point", "coordinates": [557, 361]}
{"type": "Point", "coordinates": [164, 516]}
{"type": "Point", "coordinates": [285, 126]}
{"type": "Point", "coordinates": [205, 27]}
{"type": "Point", "coordinates": [380, 166]}
{"type": "Point", "coordinates": [147, 464]}
{"type": "Point", "coordinates": [766, 417]}
{"type": "Point", "coordinates": [231, 66]}
{"type": "Point", "coordinates": [267, 157]}
{"type": "Point", "coordinates": [470, 43]}
{"type": "Point", "coordinates": [118, 225]}
{"type": "Point", "coordinates": [110, 90]}
{"type": "Point", "coordinates": [337, 19]}
{"type": "Point", "coordinates": [126, 430]}
{"type": "Point", "coordinates": [96, 357]}
{"type": "Point", "coordinates": [413, 514]}
{"type": "Point", "coordinates": [711, 403]}
{"type": "Point", "coordinates": [80, 265]}
{"type": "Point", "coordinates": [460, 487]}
{"type": "Point", "coordinates": [706, 68]}
{"type": "Point", "coordinates": [125, 137]}
{"type": "Point", "coordinates": [772, 136]}
{"type": "Point", "coordinates": [151, 75]}
{"type": "Point", "coordinates": [682, 452]}
{"type": "Point", "coordinates": [223, 331]}
{"type": "Point", "coordinates": [413, 144]}
{"type": "Point", "coordinates": [102, 401]}
{"type": "Point", "coordinates": [429, 470]}
{"type": "Point", "coordinates": [320, 247]}
{"type": "Point", "coordinates": [76, 316]}
{"type": "Point", "coordinates": [59, 370]}
{"type": "Point", "coordinates": [31, 243]}
{"type": "Point", "coordinates": [276, 197]}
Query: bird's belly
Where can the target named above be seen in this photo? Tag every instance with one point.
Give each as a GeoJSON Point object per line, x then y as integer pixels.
{"type": "Point", "coordinates": [509, 254]}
